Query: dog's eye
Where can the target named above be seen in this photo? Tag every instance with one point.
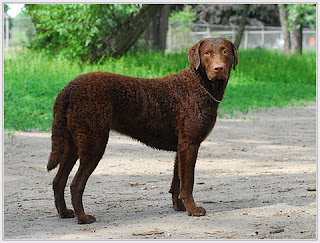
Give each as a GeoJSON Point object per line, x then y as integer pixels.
{"type": "Point", "coordinates": [206, 53]}
{"type": "Point", "coordinates": [225, 51]}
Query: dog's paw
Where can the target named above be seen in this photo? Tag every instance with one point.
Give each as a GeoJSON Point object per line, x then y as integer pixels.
{"type": "Point", "coordinates": [69, 213]}
{"type": "Point", "coordinates": [178, 205]}
{"type": "Point", "coordinates": [198, 211]}
{"type": "Point", "coordinates": [86, 219]}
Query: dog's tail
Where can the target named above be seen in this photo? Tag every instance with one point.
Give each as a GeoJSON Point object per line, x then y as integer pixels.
{"type": "Point", "coordinates": [59, 128]}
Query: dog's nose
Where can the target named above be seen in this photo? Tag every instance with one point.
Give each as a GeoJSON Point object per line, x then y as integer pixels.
{"type": "Point", "coordinates": [218, 68]}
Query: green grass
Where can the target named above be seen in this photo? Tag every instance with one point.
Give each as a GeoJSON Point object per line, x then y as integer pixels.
{"type": "Point", "coordinates": [262, 79]}
{"type": "Point", "coordinates": [266, 79]}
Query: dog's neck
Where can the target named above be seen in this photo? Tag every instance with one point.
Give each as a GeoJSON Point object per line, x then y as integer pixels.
{"type": "Point", "coordinates": [215, 87]}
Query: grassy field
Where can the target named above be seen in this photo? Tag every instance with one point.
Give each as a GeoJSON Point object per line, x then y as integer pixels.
{"type": "Point", "coordinates": [262, 79]}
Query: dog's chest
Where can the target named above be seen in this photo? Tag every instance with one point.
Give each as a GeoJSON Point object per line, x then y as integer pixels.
{"type": "Point", "coordinates": [196, 121]}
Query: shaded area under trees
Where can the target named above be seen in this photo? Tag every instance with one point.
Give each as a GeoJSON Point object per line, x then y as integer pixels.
{"type": "Point", "coordinates": [88, 32]}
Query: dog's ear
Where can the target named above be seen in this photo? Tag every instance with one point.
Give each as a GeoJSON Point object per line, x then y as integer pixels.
{"type": "Point", "coordinates": [235, 55]}
{"type": "Point", "coordinates": [193, 55]}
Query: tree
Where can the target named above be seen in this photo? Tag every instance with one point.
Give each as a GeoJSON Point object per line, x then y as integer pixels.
{"type": "Point", "coordinates": [6, 8]}
{"type": "Point", "coordinates": [10, 22]}
{"type": "Point", "coordinates": [242, 25]}
{"type": "Point", "coordinates": [297, 35]}
{"type": "Point", "coordinates": [182, 16]}
{"type": "Point", "coordinates": [225, 14]}
{"type": "Point", "coordinates": [87, 32]}
{"type": "Point", "coordinates": [156, 33]}
{"type": "Point", "coordinates": [298, 15]}
{"type": "Point", "coordinates": [285, 28]}
{"type": "Point", "coordinates": [127, 32]}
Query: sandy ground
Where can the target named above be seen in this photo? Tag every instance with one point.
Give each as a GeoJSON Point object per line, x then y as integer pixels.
{"type": "Point", "coordinates": [256, 177]}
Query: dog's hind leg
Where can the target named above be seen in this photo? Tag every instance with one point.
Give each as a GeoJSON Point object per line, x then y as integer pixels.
{"type": "Point", "coordinates": [175, 188]}
{"type": "Point", "coordinates": [69, 158]}
{"type": "Point", "coordinates": [92, 147]}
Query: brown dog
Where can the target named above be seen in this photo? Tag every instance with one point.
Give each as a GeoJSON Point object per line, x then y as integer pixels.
{"type": "Point", "coordinates": [174, 113]}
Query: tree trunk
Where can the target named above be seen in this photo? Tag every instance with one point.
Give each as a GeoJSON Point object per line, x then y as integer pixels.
{"type": "Point", "coordinates": [242, 25]}
{"type": "Point", "coordinates": [156, 33]}
{"type": "Point", "coordinates": [121, 38]}
{"type": "Point", "coordinates": [297, 36]}
{"type": "Point", "coordinates": [285, 28]}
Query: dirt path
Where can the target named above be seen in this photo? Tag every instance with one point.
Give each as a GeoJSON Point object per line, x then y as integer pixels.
{"type": "Point", "coordinates": [256, 178]}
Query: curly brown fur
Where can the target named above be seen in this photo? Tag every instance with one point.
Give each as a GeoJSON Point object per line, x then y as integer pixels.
{"type": "Point", "coordinates": [172, 113]}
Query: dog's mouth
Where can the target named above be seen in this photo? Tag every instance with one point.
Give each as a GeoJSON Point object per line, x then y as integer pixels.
{"type": "Point", "coordinates": [217, 78]}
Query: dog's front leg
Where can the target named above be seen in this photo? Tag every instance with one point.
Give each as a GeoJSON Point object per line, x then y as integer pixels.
{"type": "Point", "coordinates": [187, 156]}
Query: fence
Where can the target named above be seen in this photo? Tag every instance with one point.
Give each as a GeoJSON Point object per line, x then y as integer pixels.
{"type": "Point", "coordinates": [182, 36]}
{"type": "Point", "coordinates": [18, 31]}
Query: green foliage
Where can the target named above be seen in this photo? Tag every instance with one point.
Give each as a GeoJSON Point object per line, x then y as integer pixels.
{"type": "Point", "coordinates": [74, 30]}
{"type": "Point", "coordinates": [183, 17]}
{"type": "Point", "coordinates": [6, 8]}
{"type": "Point", "coordinates": [307, 11]}
{"type": "Point", "coordinates": [186, 16]}
{"type": "Point", "coordinates": [32, 80]}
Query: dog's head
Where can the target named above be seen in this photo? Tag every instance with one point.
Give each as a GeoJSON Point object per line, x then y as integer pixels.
{"type": "Point", "coordinates": [215, 57]}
